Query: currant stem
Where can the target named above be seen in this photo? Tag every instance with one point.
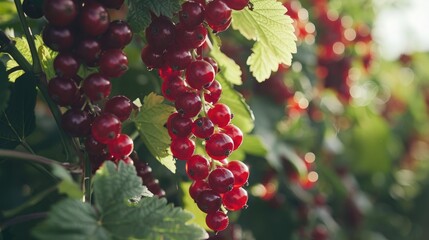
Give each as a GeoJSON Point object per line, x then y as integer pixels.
{"type": "Point", "coordinates": [86, 181]}
{"type": "Point", "coordinates": [203, 101]}
{"type": "Point", "coordinates": [23, 218]}
{"type": "Point", "coordinates": [33, 158]}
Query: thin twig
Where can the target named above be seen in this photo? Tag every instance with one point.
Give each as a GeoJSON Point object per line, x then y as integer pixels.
{"type": "Point", "coordinates": [23, 218]}
{"type": "Point", "coordinates": [33, 158]}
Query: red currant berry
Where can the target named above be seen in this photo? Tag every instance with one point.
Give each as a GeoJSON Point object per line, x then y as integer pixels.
{"type": "Point", "coordinates": [240, 172]}
{"type": "Point", "coordinates": [179, 126]}
{"type": "Point", "coordinates": [94, 147]}
{"type": "Point", "coordinates": [221, 180]}
{"type": "Point", "coordinates": [203, 128]}
{"type": "Point", "coordinates": [199, 74]}
{"type": "Point", "coordinates": [178, 59]}
{"type": "Point", "coordinates": [160, 34]}
{"type": "Point", "coordinates": [96, 87]}
{"type": "Point", "coordinates": [32, 9]}
{"type": "Point", "coordinates": [235, 133]}
{"type": "Point", "coordinates": [120, 106]}
{"type": "Point", "coordinates": [319, 233]}
{"type": "Point", "coordinates": [190, 39]}
{"type": "Point", "coordinates": [66, 65]}
{"type": "Point", "coordinates": [197, 167]}
{"type": "Point", "coordinates": [217, 14]}
{"type": "Point", "coordinates": [209, 201]}
{"type": "Point", "coordinates": [89, 50]}
{"type": "Point", "coordinates": [235, 199]}
{"type": "Point", "coordinates": [191, 15]}
{"type": "Point", "coordinates": [115, 4]}
{"type": "Point", "coordinates": [188, 104]}
{"type": "Point", "coordinates": [219, 146]}
{"type": "Point", "coordinates": [152, 58]}
{"type": "Point", "coordinates": [60, 13]}
{"type": "Point", "coordinates": [121, 147]}
{"type": "Point", "coordinates": [220, 114]}
{"type": "Point", "coordinates": [106, 128]}
{"type": "Point", "coordinates": [118, 35]}
{"type": "Point", "coordinates": [197, 188]}
{"type": "Point", "coordinates": [222, 27]}
{"type": "Point", "coordinates": [215, 90]}
{"type": "Point", "coordinates": [182, 148]}
{"type": "Point", "coordinates": [62, 90]}
{"type": "Point", "coordinates": [58, 38]}
{"type": "Point", "coordinates": [93, 19]}
{"type": "Point", "coordinates": [113, 63]}
{"type": "Point", "coordinates": [167, 72]}
{"type": "Point", "coordinates": [213, 63]}
{"type": "Point", "coordinates": [173, 87]}
{"type": "Point", "coordinates": [126, 160]}
{"type": "Point", "coordinates": [217, 221]}
{"type": "Point", "coordinates": [237, 4]}
{"type": "Point", "coordinates": [77, 123]}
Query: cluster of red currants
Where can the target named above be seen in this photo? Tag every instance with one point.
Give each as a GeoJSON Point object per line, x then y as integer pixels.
{"type": "Point", "coordinates": [82, 34]}
{"type": "Point", "coordinates": [189, 82]}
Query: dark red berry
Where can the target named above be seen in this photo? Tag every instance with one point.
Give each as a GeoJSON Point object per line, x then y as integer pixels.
{"type": "Point", "coordinates": [93, 19]}
{"type": "Point", "coordinates": [94, 147]}
{"type": "Point", "coordinates": [235, 133]}
{"type": "Point", "coordinates": [222, 27]}
{"type": "Point", "coordinates": [191, 15]}
{"type": "Point", "coordinates": [66, 65]}
{"type": "Point", "coordinates": [60, 13]}
{"type": "Point", "coordinates": [319, 233]}
{"type": "Point", "coordinates": [77, 123]}
{"type": "Point", "coordinates": [215, 90]}
{"type": "Point", "coordinates": [221, 180]}
{"type": "Point", "coordinates": [199, 74]}
{"type": "Point", "coordinates": [190, 39]}
{"type": "Point", "coordinates": [182, 148]}
{"type": "Point", "coordinates": [32, 8]}
{"type": "Point", "coordinates": [202, 127]}
{"type": "Point", "coordinates": [161, 33]}
{"type": "Point", "coordinates": [197, 167]}
{"type": "Point", "coordinates": [240, 172]}
{"type": "Point", "coordinates": [152, 58]}
{"type": "Point", "coordinates": [188, 104]}
{"type": "Point", "coordinates": [178, 59]}
{"type": "Point", "coordinates": [120, 106]}
{"type": "Point", "coordinates": [197, 188]}
{"type": "Point", "coordinates": [217, 14]}
{"type": "Point", "coordinates": [106, 128]}
{"type": "Point", "coordinates": [118, 35]}
{"type": "Point", "coordinates": [113, 63]}
{"type": "Point", "coordinates": [237, 4]}
{"type": "Point", "coordinates": [217, 221]}
{"type": "Point", "coordinates": [209, 201]}
{"type": "Point", "coordinates": [173, 87]}
{"type": "Point", "coordinates": [179, 126]}
{"type": "Point", "coordinates": [235, 199]}
{"type": "Point", "coordinates": [167, 72]}
{"type": "Point", "coordinates": [96, 87]}
{"type": "Point", "coordinates": [116, 4]}
{"type": "Point", "coordinates": [58, 38]}
{"type": "Point", "coordinates": [89, 50]}
{"type": "Point", "coordinates": [121, 147]}
{"type": "Point", "coordinates": [212, 62]}
{"type": "Point", "coordinates": [220, 114]}
{"type": "Point", "coordinates": [219, 146]}
{"type": "Point", "coordinates": [63, 90]}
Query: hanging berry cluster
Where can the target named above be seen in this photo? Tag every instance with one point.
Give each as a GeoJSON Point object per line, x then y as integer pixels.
{"type": "Point", "coordinates": [83, 36]}
{"type": "Point", "coordinates": [189, 81]}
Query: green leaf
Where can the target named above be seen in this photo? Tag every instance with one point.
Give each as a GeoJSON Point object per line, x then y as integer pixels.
{"type": "Point", "coordinates": [229, 68]}
{"type": "Point", "coordinates": [139, 15]}
{"type": "Point", "coordinates": [243, 116]}
{"type": "Point", "coordinates": [7, 12]}
{"type": "Point", "coordinates": [273, 32]}
{"type": "Point", "coordinates": [150, 124]}
{"type": "Point", "coordinates": [118, 217]}
{"type": "Point", "coordinates": [18, 120]}
{"type": "Point", "coordinates": [4, 87]}
{"type": "Point", "coordinates": [67, 186]}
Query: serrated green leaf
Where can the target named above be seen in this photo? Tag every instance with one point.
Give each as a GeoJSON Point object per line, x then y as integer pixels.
{"type": "Point", "coordinates": [229, 68]}
{"type": "Point", "coordinates": [117, 217]}
{"type": "Point", "coordinates": [243, 116]}
{"type": "Point", "coordinates": [139, 15]}
{"type": "Point", "coordinates": [150, 124]}
{"type": "Point", "coordinates": [273, 32]}
{"type": "Point", "coordinates": [4, 87]}
{"type": "Point", "coordinates": [18, 120]}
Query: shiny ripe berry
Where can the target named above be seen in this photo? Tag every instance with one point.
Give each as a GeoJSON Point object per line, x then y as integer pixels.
{"type": "Point", "coordinates": [179, 126]}
{"type": "Point", "coordinates": [115, 4]}
{"type": "Point", "coordinates": [33, 8]}
{"type": "Point", "coordinates": [217, 221]}
{"type": "Point", "coordinates": [113, 63]}
{"type": "Point", "coordinates": [215, 91]}
{"type": "Point", "coordinates": [222, 27]}
{"type": "Point", "coordinates": [199, 74]}
{"type": "Point", "coordinates": [58, 38]}
{"type": "Point", "coordinates": [160, 34]}
{"type": "Point", "coordinates": [118, 35]}
{"type": "Point", "coordinates": [235, 133]}
{"type": "Point", "coordinates": [219, 146]}
{"type": "Point", "coordinates": [240, 172]}
{"type": "Point", "coordinates": [217, 14]}
{"type": "Point", "coordinates": [106, 128]}
{"type": "Point", "coordinates": [152, 58]}
{"type": "Point", "coordinates": [190, 39]}
{"type": "Point", "coordinates": [220, 114]}
{"type": "Point", "coordinates": [235, 199]}
{"type": "Point", "coordinates": [197, 188]}
{"type": "Point", "coordinates": [94, 147]}
{"type": "Point", "coordinates": [167, 72]}
{"type": "Point", "coordinates": [197, 167]}
{"type": "Point", "coordinates": [120, 106]}
{"type": "Point", "coordinates": [93, 19]}
{"type": "Point", "coordinates": [202, 127]}
{"type": "Point", "coordinates": [237, 4]}
{"type": "Point", "coordinates": [191, 15]}
{"type": "Point", "coordinates": [121, 147]}
{"type": "Point", "coordinates": [209, 201]}
{"type": "Point", "coordinates": [221, 180]}
{"type": "Point", "coordinates": [188, 104]}
{"type": "Point", "coordinates": [212, 62]}
{"type": "Point", "coordinates": [66, 65]}
{"type": "Point", "coordinates": [173, 87]}
{"type": "Point", "coordinates": [62, 90]}
{"type": "Point", "coordinates": [77, 123]}
{"type": "Point", "coordinates": [178, 59]}
{"type": "Point", "coordinates": [88, 51]}
{"type": "Point", "coordinates": [96, 87]}
{"type": "Point", "coordinates": [182, 148]}
{"type": "Point", "coordinates": [60, 13]}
